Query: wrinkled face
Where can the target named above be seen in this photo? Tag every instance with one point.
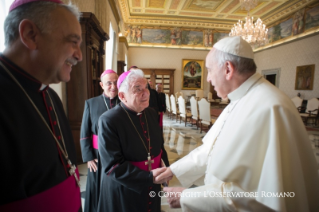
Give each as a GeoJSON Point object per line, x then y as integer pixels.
{"type": "Point", "coordinates": [159, 88]}
{"type": "Point", "coordinates": [108, 84]}
{"type": "Point", "coordinates": [60, 49]}
{"type": "Point", "coordinates": [138, 95]}
{"type": "Point", "coordinates": [216, 76]}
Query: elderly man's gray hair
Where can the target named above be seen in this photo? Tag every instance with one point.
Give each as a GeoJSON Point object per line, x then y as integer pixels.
{"type": "Point", "coordinates": [37, 12]}
{"type": "Point", "coordinates": [241, 64]}
{"type": "Point", "coordinates": [134, 75]}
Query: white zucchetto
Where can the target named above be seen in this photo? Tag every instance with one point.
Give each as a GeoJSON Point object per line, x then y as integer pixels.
{"type": "Point", "coordinates": [236, 46]}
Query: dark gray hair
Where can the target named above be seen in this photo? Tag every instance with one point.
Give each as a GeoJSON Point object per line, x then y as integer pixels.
{"type": "Point", "coordinates": [37, 12]}
{"type": "Point", "coordinates": [134, 75]}
{"type": "Point", "coordinates": [241, 64]}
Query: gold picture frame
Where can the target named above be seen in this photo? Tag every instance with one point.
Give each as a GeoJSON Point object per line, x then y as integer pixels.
{"type": "Point", "coordinates": [304, 77]}
{"type": "Point", "coordinates": [192, 74]}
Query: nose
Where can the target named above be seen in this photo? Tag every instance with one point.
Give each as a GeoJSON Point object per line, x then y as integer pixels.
{"type": "Point", "coordinates": [78, 54]}
{"type": "Point", "coordinates": [146, 92]}
{"type": "Point", "coordinates": [114, 85]}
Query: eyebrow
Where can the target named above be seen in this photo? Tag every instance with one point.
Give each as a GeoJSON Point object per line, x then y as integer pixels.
{"type": "Point", "coordinates": [74, 36]}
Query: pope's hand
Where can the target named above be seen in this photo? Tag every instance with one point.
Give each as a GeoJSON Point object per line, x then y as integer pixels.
{"type": "Point", "coordinates": [174, 196]}
{"type": "Point", "coordinates": [92, 165]}
{"type": "Point", "coordinates": [164, 175]}
{"type": "Point", "coordinates": [157, 172]}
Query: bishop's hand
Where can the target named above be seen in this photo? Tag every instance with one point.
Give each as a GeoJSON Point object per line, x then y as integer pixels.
{"type": "Point", "coordinates": [164, 175]}
{"type": "Point", "coordinates": [157, 172]}
{"type": "Point", "coordinates": [174, 196]}
{"type": "Point", "coordinates": [92, 165]}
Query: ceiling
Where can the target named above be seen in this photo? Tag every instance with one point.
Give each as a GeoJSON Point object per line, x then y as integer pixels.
{"type": "Point", "coordinates": [220, 15]}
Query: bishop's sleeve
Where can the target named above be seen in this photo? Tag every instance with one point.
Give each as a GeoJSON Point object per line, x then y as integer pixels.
{"type": "Point", "coordinates": [114, 165]}
{"type": "Point", "coordinates": [86, 135]}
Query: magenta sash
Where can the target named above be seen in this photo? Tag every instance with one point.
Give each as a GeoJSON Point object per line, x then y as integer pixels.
{"type": "Point", "coordinates": [161, 119]}
{"type": "Point", "coordinates": [155, 165]}
{"type": "Point", "coordinates": [95, 142]}
{"type": "Point", "coordinates": [64, 197]}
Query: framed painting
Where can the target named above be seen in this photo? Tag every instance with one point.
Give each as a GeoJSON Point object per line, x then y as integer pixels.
{"type": "Point", "coordinates": [192, 74]}
{"type": "Point", "coordinates": [304, 77]}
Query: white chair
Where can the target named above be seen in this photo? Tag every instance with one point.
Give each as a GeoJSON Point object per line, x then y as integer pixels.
{"type": "Point", "coordinates": [311, 110]}
{"type": "Point", "coordinates": [199, 94]}
{"type": "Point", "coordinates": [174, 109]}
{"type": "Point", "coordinates": [178, 94]}
{"type": "Point", "coordinates": [205, 114]}
{"type": "Point", "coordinates": [168, 105]}
{"type": "Point", "coordinates": [194, 110]}
{"type": "Point", "coordinates": [297, 101]}
{"type": "Point", "coordinates": [182, 110]}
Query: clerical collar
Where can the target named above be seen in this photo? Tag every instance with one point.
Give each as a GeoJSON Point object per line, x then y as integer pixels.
{"type": "Point", "coordinates": [109, 97]}
{"type": "Point", "coordinates": [130, 110]}
{"type": "Point", "coordinates": [43, 86]}
{"type": "Point", "coordinates": [24, 78]}
{"type": "Point", "coordinates": [243, 88]}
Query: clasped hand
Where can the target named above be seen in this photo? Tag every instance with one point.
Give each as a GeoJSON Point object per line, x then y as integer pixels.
{"type": "Point", "coordinates": [161, 175]}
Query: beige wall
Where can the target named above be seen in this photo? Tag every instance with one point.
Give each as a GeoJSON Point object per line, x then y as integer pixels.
{"type": "Point", "coordinates": [166, 58]}
{"type": "Point", "coordinates": [287, 57]}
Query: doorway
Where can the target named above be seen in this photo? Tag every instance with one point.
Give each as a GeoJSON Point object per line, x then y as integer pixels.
{"type": "Point", "coordinates": [272, 75]}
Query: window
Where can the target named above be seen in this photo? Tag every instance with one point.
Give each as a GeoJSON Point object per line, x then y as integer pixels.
{"type": "Point", "coordinates": [4, 9]}
{"type": "Point", "coordinates": [109, 53]}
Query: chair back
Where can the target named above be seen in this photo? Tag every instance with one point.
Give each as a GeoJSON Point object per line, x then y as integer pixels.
{"type": "Point", "coordinates": [209, 96]}
{"type": "Point", "coordinates": [177, 94]}
{"type": "Point", "coordinates": [168, 103]}
{"type": "Point", "coordinates": [194, 108]}
{"type": "Point", "coordinates": [199, 94]}
{"type": "Point", "coordinates": [204, 110]}
{"type": "Point", "coordinates": [297, 101]}
{"type": "Point", "coordinates": [182, 105]}
{"type": "Point", "coordinates": [312, 104]}
{"type": "Point", "coordinates": [173, 104]}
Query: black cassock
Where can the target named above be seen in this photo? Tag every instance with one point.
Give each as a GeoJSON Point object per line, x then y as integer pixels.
{"type": "Point", "coordinates": [93, 109]}
{"type": "Point", "coordinates": [30, 159]}
{"type": "Point", "coordinates": [125, 187]}
{"type": "Point", "coordinates": [162, 102]}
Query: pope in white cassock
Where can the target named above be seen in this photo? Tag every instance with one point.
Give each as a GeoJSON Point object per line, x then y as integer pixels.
{"type": "Point", "coordinates": [257, 156]}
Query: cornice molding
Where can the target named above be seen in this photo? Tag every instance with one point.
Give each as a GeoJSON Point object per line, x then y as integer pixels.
{"type": "Point", "coordinates": [114, 10]}
{"type": "Point", "coordinates": [122, 39]}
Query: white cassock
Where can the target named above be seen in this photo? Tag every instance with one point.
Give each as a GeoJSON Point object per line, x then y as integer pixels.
{"type": "Point", "coordinates": [262, 146]}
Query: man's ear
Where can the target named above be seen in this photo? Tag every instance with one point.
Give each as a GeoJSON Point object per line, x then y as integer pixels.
{"type": "Point", "coordinates": [121, 96]}
{"type": "Point", "coordinates": [230, 69]}
{"type": "Point", "coordinates": [101, 84]}
{"type": "Point", "coordinates": [28, 32]}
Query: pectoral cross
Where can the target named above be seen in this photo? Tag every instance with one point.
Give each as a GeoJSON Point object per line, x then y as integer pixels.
{"type": "Point", "coordinates": [149, 162]}
{"type": "Point", "coordinates": [72, 172]}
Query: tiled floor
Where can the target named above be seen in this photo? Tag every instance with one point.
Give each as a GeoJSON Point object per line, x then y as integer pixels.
{"type": "Point", "coordinates": [179, 141]}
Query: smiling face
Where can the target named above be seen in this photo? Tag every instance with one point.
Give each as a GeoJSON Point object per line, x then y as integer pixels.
{"type": "Point", "coordinates": [59, 49]}
{"type": "Point", "coordinates": [108, 84]}
{"type": "Point", "coordinates": [138, 95]}
{"type": "Point", "coordinates": [216, 76]}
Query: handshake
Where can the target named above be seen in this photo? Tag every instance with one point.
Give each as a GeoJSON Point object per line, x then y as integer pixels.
{"type": "Point", "coordinates": [162, 175]}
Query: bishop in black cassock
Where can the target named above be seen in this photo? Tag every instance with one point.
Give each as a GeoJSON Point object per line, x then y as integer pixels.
{"type": "Point", "coordinates": [126, 135]}
{"type": "Point", "coordinates": [30, 158]}
{"type": "Point", "coordinates": [94, 108]}
{"type": "Point", "coordinates": [37, 154]}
